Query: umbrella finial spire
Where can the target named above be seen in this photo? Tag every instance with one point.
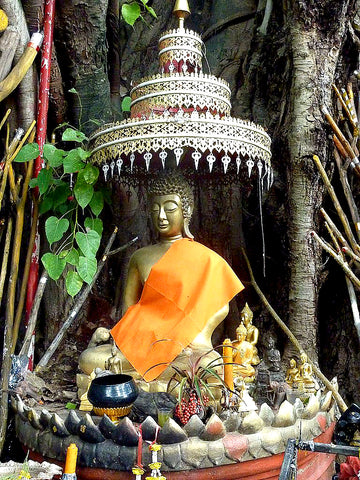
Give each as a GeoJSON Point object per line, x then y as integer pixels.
{"type": "Point", "coordinates": [181, 11]}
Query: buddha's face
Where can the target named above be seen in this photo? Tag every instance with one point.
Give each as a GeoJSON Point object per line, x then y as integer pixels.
{"type": "Point", "coordinates": [167, 215]}
{"type": "Point", "coordinates": [240, 335]}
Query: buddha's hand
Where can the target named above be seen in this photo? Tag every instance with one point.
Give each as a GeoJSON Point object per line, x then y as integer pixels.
{"type": "Point", "coordinates": [101, 335]}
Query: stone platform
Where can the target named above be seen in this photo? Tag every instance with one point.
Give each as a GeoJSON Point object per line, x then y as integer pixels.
{"type": "Point", "coordinates": [220, 445]}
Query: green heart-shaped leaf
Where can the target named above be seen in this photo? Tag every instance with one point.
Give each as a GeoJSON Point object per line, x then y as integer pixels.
{"type": "Point", "coordinates": [71, 135]}
{"type": "Point", "coordinates": [97, 203]}
{"type": "Point", "coordinates": [44, 180]}
{"type": "Point", "coordinates": [87, 268]}
{"type": "Point", "coordinates": [88, 242]}
{"type": "Point", "coordinates": [28, 152]}
{"type": "Point", "coordinates": [54, 156]}
{"type": "Point", "coordinates": [83, 193]}
{"type": "Point", "coordinates": [130, 12]}
{"type": "Point", "coordinates": [53, 264]}
{"type": "Point", "coordinates": [72, 257]}
{"type": "Point", "coordinates": [73, 283]}
{"type": "Point", "coordinates": [55, 228]}
{"type": "Point", "coordinates": [94, 224]}
{"type": "Point", "coordinates": [90, 173]}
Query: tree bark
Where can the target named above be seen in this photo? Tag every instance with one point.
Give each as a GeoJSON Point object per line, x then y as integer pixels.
{"type": "Point", "coordinates": [80, 39]}
{"type": "Point", "coordinates": [314, 54]}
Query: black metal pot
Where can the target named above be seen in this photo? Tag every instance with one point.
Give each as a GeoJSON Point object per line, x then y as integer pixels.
{"type": "Point", "coordinates": [113, 392]}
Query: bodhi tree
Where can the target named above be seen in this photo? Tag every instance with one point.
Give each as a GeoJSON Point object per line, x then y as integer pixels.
{"type": "Point", "coordinates": [280, 59]}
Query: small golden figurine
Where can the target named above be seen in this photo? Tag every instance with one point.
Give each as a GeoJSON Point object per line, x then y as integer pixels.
{"type": "Point", "coordinates": [293, 375]}
{"type": "Point", "coordinates": [306, 374]}
{"type": "Point", "coordinates": [252, 333]}
{"type": "Point", "coordinates": [242, 356]}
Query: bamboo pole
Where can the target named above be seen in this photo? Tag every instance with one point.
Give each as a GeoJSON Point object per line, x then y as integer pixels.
{"type": "Point", "coordinates": [20, 214]}
{"type": "Point", "coordinates": [342, 405]}
{"type": "Point", "coordinates": [5, 256]}
{"type": "Point", "coordinates": [339, 210]}
{"type": "Point", "coordinates": [5, 117]}
{"type": "Point", "coordinates": [8, 159]}
{"type": "Point", "coordinates": [9, 83]}
{"type": "Point", "coordinates": [9, 320]}
{"type": "Point", "coordinates": [21, 302]}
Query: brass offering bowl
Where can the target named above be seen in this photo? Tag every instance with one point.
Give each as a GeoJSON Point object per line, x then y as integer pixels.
{"type": "Point", "coordinates": [113, 395]}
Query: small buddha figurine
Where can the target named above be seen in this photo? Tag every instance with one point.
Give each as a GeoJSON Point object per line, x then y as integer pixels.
{"type": "Point", "coordinates": [242, 356]}
{"type": "Point", "coordinates": [252, 333]}
{"type": "Point", "coordinates": [293, 378]}
{"type": "Point", "coordinates": [172, 300]}
{"type": "Point", "coordinates": [272, 356]}
{"type": "Point", "coordinates": [306, 374]}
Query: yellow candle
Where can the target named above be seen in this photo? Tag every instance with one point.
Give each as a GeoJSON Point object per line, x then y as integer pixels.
{"type": "Point", "coordinates": [228, 369]}
{"type": "Point", "coordinates": [71, 457]}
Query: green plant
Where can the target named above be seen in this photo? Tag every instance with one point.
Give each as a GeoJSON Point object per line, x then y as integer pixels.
{"type": "Point", "coordinates": [134, 10]}
{"type": "Point", "coordinates": [67, 186]}
{"type": "Point", "coordinates": [195, 385]}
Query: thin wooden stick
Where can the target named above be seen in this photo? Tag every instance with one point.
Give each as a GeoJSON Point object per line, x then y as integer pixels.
{"type": "Point", "coordinates": [354, 305]}
{"type": "Point", "coordinates": [342, 405]}
{"type": "Point", "coordinates": [5, 256]}
{"type": "Point", "coordinates": [339, 210]}
{"type": "Point", "coordinates": [351, 254]}
{"type": "Point", "coordinates": [350, 92]}
{"type": "Point", "coordinates": [348, 194]}
{"type": "Point", "coordinates": [339, 146]}
{"type": "Point", "coordinates": [350, 152]}
{"type": "Point", "coordinates": [34, 312]}
{"type": "Point", "coordinates": [334, 228]}
{"type": "Point", "coordinates": [339, 260]}
{"type": "Point", "coordinates": [334, 239]}
{"type": "Point", "coordinates": [12, 147]}
{"type": "Point", "coordinates": [345, 107]}
{"type": "Point", "coordinates": [5, 117]}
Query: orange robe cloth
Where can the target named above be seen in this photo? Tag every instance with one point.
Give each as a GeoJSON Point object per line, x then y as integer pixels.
{"type": "Point", "coordinates": [185, 288]}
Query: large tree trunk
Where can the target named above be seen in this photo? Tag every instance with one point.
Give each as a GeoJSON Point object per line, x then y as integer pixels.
{"type": "Point", "coordinates": [315, 43]}
{"type": "Point", "coordinates": [80, 39]}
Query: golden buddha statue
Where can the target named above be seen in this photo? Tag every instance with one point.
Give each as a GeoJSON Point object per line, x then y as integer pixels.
{"type": "Point", "coordinates": [177, 292]}
{"type": "Point", "coordinates": [252, 333]}
{"type": "Point", "coordinates": [242, 356]}
{"type": "Point", "coordinates": [306, 374]}
{"type": "Point", "coordinates": [292, 377]}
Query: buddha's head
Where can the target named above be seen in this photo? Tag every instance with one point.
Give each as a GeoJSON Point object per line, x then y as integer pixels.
{"type": "Point", "coordinates": [303, 358]}
{"type": "Point", "coordinates": [292, 363]}
{"type": "Point", "coordinates": [246, 315]}
{"type": "Point", "coordinates": [171, 205]}
{"type": "Point", "coordinates": [241, 332]}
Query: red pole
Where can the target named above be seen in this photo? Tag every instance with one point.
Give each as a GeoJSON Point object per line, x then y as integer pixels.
{"type": "Point", "coordinates": [42, 114]}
